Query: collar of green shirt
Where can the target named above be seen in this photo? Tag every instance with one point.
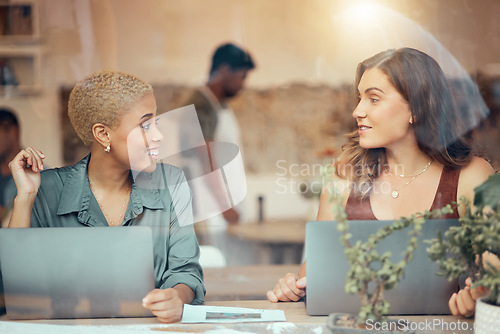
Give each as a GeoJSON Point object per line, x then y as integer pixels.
{"type": "Point", "coordinates": [76, 194]}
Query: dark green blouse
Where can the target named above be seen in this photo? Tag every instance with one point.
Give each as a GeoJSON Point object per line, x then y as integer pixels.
{"type": "Point", "coordinates": [161, 200]}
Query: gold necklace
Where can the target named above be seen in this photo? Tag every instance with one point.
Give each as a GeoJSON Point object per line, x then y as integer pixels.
{"type": "Point", "coordinates": [106, 215]}
{"type": "Point", "coordinates": [395, 192]}
{"type": "Point", "coordinates": [414, 175]}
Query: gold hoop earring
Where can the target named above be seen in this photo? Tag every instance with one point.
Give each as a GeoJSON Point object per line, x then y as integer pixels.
{"type": "Point", "coordinates": [107, 149]}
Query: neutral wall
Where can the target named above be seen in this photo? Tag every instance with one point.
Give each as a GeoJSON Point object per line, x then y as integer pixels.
{"type": "Point", "coordinates": [292, 41]}
{"type": "Point", "coordinates": [314, 42]}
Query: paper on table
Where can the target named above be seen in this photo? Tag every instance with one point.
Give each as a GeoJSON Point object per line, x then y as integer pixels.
{"type": "Point", "coordinates": [218, 314]}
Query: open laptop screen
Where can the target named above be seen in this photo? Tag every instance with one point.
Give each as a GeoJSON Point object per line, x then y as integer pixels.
{"type": "Point", "coordinates": [420, 291]}
{"type": "Point", "coordinates": [76, 272]}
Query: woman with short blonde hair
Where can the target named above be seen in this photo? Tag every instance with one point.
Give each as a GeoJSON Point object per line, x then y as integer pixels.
{"type": "Point", "coordinates": [114, 113]}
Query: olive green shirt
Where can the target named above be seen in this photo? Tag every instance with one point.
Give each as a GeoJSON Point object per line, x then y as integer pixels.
{"type": "Point", "coordinates": [161, 200]}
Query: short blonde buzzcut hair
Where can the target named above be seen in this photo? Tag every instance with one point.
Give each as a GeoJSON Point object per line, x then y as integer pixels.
{"type": "Point", "coordinates": [101, 97]}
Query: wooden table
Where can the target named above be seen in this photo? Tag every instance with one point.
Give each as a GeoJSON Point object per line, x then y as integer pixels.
{"type": "Point", "coordinates": [297, 322]}
{"type": "Point", "coordinates": [244, 282]}
{"type": "Point", "coordinates": [281, 240]}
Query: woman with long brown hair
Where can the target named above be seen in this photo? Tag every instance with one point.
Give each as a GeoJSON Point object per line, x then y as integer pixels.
{"type": "Point", "coordinates": [411, 152]}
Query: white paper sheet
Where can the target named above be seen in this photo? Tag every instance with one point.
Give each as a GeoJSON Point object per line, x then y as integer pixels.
{"type": "Point", "coordinates": [218, 314]}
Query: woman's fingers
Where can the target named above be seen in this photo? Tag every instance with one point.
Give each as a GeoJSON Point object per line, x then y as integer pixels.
{"type": "Point", "coordinates": [461, 305]}
{"type": "Point", "coordinates": [286, 291]}
{"type": "Point", "coordinates": [452, 303]}
{"type": "Point", "coordinates": [30, 160]}
{"type": "Point", "coordinates": [25, 169]}
{"type": "Point", "coordinates": [24, 159]}
{"type": "Point", "coordinates": [40, 156]}
{"type": "Point", "coordinates": [278, 292]}
{"type": "Point", "coordinates": [465, 303]}
{"type": "Point", "coordinates": [21, 161]}
{"type": "Point", "coordinates": [164, 304]}
{"type": "Point", "coordinates": [272, 297]}
{"type": "Point", "coordinates": [290, 282]}
{"type": "Point", "coordinates": [468, 281]}
{"type": "Point", "coordinates": [35, 159]}
{"type": "Point", "coordinates": [289, 288]}
{"type": "Point", "coordinates": [301, 284]}
{"type": "Point", "coordinates": [479, 292]}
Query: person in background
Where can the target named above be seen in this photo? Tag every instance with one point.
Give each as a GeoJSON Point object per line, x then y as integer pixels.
{"type": "Point", "coordinates": [114, 113]}
{"type": "Point", "coordinates": [229, 69]}
{"type": "Point", "coordinates": [9, 146]}
{"type": "Point", "coordinates": [409, 153]}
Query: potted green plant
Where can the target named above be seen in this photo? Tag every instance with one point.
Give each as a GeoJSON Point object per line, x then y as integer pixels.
{"type": "Point", "coordinates": [460, 251]}
{"type": "Point", "coordinates": [372, 273]}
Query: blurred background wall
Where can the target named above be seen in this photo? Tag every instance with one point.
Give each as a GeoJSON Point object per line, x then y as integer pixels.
{"type": "Point", "coordinates": [298, 101]}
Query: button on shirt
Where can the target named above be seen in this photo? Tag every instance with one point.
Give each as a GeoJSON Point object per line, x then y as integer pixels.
{"type": "Point", "coordinates": [160, 200]}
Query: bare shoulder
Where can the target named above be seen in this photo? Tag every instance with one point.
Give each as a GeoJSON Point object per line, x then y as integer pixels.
{"type": "Point", "coordinates": [336, 189]}
{"type": "Point", "coordinates": [477, 171]}
{"type": "Point", "coordinates": [472, 176]}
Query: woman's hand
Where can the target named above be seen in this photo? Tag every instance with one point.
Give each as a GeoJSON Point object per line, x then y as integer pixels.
{"type": "Point", "coordinates": [289, 288]}
{"type": "Point", "coordinates": [25, 169]}
{"type": "Point", "coordinates": [165, 304]}
{"type": "Point", "coordinates": [463, 303]}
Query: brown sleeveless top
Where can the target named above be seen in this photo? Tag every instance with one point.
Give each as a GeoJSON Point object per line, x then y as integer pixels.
{"type": "Point", "coordinates": [361, 209]}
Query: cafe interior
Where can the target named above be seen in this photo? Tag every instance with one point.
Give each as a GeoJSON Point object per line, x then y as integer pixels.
{"type": "Point", "coordinates": [293, 111]}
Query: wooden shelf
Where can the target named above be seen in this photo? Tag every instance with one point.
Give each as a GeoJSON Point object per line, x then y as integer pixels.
{"type": "Point", "coordinates": [18, 91]}
{"type": "Point", "coordinates": [20, 48]}
{"type": "Point", "coordinates": [19, 20]}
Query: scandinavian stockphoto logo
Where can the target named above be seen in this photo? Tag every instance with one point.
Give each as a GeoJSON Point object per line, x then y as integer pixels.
{"type": "Point", "coordinates": [304, 179]}
{"type": "Point", "coordinates": [212, 173]}
{"type": "Point", "coordinates": [309, 180]}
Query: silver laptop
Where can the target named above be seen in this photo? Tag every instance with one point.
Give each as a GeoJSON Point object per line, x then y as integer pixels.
{"type": "Point", "coordinates": [76, 272]}
{"type": "Point", "coordinates": [420, 291]}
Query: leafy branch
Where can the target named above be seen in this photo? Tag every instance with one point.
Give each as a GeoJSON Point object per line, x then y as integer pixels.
{"type": "Point", "coordinates": [363, 279]}
{"type": "Point", "coordinates": [461, 248]}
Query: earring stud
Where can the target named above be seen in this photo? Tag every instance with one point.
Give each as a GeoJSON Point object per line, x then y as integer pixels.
{"type": "Point", "coordinates": [107, 149]}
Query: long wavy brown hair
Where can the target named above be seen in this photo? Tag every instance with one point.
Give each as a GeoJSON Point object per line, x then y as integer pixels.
{"type": "Point", "coordinates": [439, 130]}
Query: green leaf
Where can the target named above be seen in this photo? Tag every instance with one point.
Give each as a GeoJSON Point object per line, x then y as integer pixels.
{"type": "Point", "coordinates": [488, 193]}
